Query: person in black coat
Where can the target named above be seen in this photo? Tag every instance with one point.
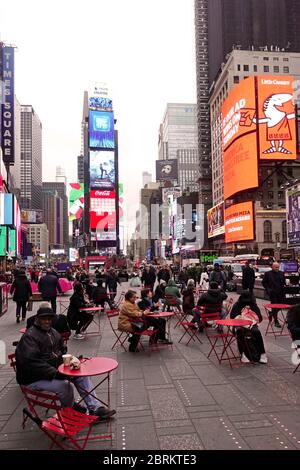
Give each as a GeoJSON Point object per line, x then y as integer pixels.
{"type": "Point", "coordinates": [111, 283]}
{"type": "Point", "coordinates": [188, 299]}
{"type": "Point", "coordinates": [293, 322]}
{"type": "Point", "coordinates": [59, 322]}
{"type": "Point", "coordinates": [148, 278]}
{"type": "Point", "coordinates": [160, 291]}
{"type": "Point", "coordinates": [21, 290]}
{"type": "Point", "coordinates": [38, 356]}
{"type": "Point", "coordinates": [246, 299]}
{"type": "Point", "coordinates": [248, 279]}
{"type": "Point", "coordinates": [274, 282]}
{"type": "Point", "coordinates": [48, 286]}
{"type": "Point", "coordinates": [100, 296]}
{"type": "Point", "coordinates": [78, 321]}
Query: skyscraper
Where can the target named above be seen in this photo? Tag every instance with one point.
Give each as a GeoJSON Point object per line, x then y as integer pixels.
{"type": "Point", "coordinates": [31, 159]}
{"type": "Point", "coordinates": [57, 188]}
{"type": "Point", "coordinates": [222, 25]}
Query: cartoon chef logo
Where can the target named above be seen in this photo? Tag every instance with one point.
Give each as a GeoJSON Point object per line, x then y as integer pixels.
{"type": "Point", "coordinates": [276, 120]}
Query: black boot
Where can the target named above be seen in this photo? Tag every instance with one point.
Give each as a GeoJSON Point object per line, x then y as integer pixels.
{"type": "Point", "coordinates": [18, 318]}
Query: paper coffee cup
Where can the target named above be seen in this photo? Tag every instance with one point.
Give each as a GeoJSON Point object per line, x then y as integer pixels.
{"type": "Point", "coordinates": [67, 359]}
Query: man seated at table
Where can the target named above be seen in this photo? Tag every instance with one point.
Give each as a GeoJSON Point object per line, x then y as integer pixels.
{"type": "Point", "coordinates": [100, 295]}
{"type": "Point", "coordinates": [38, 356]}
{"type": "Point", "coordinates": [78, 321]}
{"type": "Point", "coordinates": [59, 322]}
{"type": "Point", "coordinates": [212, 300]}
{"type": "Point", "coordinates": [132, 319]}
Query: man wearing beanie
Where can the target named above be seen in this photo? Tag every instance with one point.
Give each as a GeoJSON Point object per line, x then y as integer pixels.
{"type": "Point", "coordinates": [38, 356]}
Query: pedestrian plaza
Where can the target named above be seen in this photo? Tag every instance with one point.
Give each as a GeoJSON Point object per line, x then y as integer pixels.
{"type": "Point", "coordinates": [174, 398]}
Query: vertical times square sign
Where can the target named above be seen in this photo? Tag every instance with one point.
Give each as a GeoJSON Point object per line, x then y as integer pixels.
{"type": "Point", "coordinates": [7, 124]}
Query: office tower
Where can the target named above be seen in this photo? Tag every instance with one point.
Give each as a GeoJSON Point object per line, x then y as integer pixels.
{"type": "Point", "coordinates": [59, 189]}
{"type": "Point", "coordinates": [80, 169]}
{"type": "Point", "coordinates": [60, 176]}
{"type": "Point", "coordinates": [31, 159]}
{"type": "Point", "coordinates": [147, 178]}
{"type": "Point", "coordinates": [53, 217]}
{"type": "Point", "coordinates": [178, 140]}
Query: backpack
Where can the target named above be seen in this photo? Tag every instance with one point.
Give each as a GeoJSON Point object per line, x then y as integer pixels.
{"type": "Point", "coordinates": [247, 344]}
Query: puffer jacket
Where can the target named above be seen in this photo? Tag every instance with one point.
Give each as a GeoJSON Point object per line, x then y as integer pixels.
{"type": "Point", "coordinates": [128, 310]}
{"type": "Point", "coordinates": [21, 288]}
{"type": "Point", "coordinates": [172, 289]}
{"type": "Point", "coordinates": [211, 299]}
{"type": "Point", "coordinates": [38, 355]}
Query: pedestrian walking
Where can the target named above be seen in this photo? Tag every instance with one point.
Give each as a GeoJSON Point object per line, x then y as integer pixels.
{"type": "Point", "coordinates": [21, 290]}
{"type": "Point", "coordinates": [48, 287]}
{"type": "Point", "coordinates": [274, 282]}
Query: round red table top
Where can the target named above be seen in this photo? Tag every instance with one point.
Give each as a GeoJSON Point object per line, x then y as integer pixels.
{"type": "Point", "coordinates": [90, 367]}
{"type": "Point", "coordinates": [277, 306]}
{"type": "Point", "coordinates": [160, 314]}
{"type": "Point", "coordinates": [90, 309]}
{"type": "Point", "coordinates": [233, 322]}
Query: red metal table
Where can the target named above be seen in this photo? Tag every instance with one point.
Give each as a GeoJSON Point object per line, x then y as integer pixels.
{"type": "Point", "coordinates": [93, 310]}
{"type": "Point", "coordinates": [91, 367]}
{"type": "Point", "coordinates": [228, 338]}
{"type": "Point", "coordinates": [167, 315]}
{"type": "Point", "coordinates": [281, 319]}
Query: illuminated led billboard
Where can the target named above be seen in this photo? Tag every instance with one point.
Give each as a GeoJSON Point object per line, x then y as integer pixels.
{"type": "Point", "coordinates": [101, 130]}
{"type": "Point", "coordinates": [239, 222]}
{"type": "Point", "coordinates": [103, 210]}
{"type": "Point", "coordinates": [100, 103]}
{"type": "Point", "coordinates": [215, 217]}
{"type": "Point", "coordinates": [76, 201]}
{"type": "Point", "coordinates": [102, 169]}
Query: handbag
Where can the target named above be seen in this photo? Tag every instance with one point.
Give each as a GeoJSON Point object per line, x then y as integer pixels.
{"type": "Point", "coordinates": [248, 314]}
{"type": "Point", "coordinates": [29, 305]}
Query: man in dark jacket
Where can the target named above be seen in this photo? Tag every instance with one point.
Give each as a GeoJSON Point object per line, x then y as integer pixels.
{"type": "Point", "coordinates": [248, 279]}
{"type": "Point", "coordinates": [212, 300]}
{"type": "Point", "coordinates": [111, 283]}
{"type": "Point", "coordinates": [59, 322]}
{"type": "Point", "coordinates": [148, 277]}
{"type": "Point", "coordinates": [218, 276]}
{"type": "Point", "coordinates": [274, 282]}
{"type": "Point", "coordinates": [21, 290]}
{"type": "Point", "coordinates": [48, 287]}
{"type": "Point", "coordinates": [38, 356]}
{"type": "Point", "coordinates": [293, 322]}
{"type": "Point", "coordinates": [163, 274]}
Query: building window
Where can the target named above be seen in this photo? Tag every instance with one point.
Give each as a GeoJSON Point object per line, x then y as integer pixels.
{"type": "Point", "coordinates": [267, 231]}
{"type": "Point", "coordinates": [236, 79]}
{"type": "Point", "coordinates": [286, 69]}
{"type": "Point", "coordinates": [266, 68]}
{"type": "Point", "coordinates": [246, 68]}
{"type": "Point", "coordinates": [276, 68]}
{"type": "Point", "coordinates": [239, 67]}
{"type": "Point", "coordinates": [266, 58]}
{"type": "Point", "coordinates": [270, 195]}
{"type": "Point", "coordinates": [285, 59]}
{"type": "Point", "coordinates": [255, 68]}
{"type": "Point", "coordinates": [284, 238]}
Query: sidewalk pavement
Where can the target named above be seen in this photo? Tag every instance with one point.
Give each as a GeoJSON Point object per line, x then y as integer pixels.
{"type": "Point", "coordinates": [175, 399]}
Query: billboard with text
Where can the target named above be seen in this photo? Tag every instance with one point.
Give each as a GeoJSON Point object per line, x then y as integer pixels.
{"type": "Point", "coordinates": [293, 216]}
{"type": "Point", "coordinates": [239, 222]}
{"type": "Point", "coordinates": [215, 218]}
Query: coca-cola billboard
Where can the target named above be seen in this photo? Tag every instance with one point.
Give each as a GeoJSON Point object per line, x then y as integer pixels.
{"type": "Point", "coordinates": [103, 210]}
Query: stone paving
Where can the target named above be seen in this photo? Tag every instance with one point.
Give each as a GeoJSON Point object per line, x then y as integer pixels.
{"type": "Point", "coordinates": [175, 399]}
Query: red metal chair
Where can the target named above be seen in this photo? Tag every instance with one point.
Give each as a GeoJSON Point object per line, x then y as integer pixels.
{"type": "Point", "coordinates": [64, 426]}
{"type": "Point", "coordinates": [171, 304]}
{"type": "Point", "coordinates": [121, 336]}
{"type": "Point", "coordinates": [65, 336]}
{"type": "Point", "coordinates": [12, 361]}
{"type": "Point", "coordinates": [217, 339]}
{"type": "Point", "coordinates": [191, 329]}
{"type": "Point", "coordinates": [147, 332]}
{"type": "Point", "coordinates": [120, 299]}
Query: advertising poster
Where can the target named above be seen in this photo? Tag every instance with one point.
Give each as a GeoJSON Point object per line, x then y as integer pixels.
{"type": "Point", "coordinates": [102, 170]}
{"type": "Point", "coordinates": [102, 130]}
{"type": "Point", "coordinates": [30, 216]}
{"type": "Point", "coordinates": [239, 222]}
{"type": "Point", "coordinates": [166, 170]}
{"type": "Point", "coordinates": [174, 191]}
{"type": "Point", "coordinates": [103, 210]}
{"type": "Point", "coordinates": [293, 216]}
{"type": "Point", "coordinates": [76, 201]}
{"type": "Point", "coordinates": [276, 118]}
{"type": "Point", "coordinates": [239, 139]}
{"type": "Point", "coordinates": [3, 240]}
{"type": "Point", "coordinates": [215, 218]}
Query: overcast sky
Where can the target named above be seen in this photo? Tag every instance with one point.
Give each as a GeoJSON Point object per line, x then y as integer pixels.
{"type": "Point", "coordinates": [143, 49]}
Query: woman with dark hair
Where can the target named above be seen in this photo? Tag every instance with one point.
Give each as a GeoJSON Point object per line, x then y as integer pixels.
{"type": "Point", "coordinates": [246, 299]}
{"type": "Point", "coordinates": [188, 299]}
{"type": "Point", "coordinates": [21, 289]}
{"type": "Point", "coordinates": [78, 321]}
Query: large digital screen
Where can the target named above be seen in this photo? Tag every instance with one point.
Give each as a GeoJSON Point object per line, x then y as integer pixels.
{"type": "Point", "coordinates": [103, 210]}
{"type": "Point", "coordinates": [102, 130]}
{"type": "Point", "coordinates": [12, 242]}
{"type": "Point", "coordinates": [215, 218]}
{"type": "Point", "coordinates": [239, 139]}
{"type": "Point", "coordinates": [7, 209]}
{"type": "Point", "coordinates": [100, 103]}
{"type": "Point", "coordinates": [29, 216]}
{"type": "Point", "coordinates": [276, 118]}
{"type": "Point", "coordinates": [3, 240]}
{"type": "Point", "coordinates": [104, 236]}
{"type": "Point", "coordinates": [76, 201]}
{"type": "Point", "coordinates": [293, 216]}
{"type": "Point", "coordinates": [239, 222]}
{"type": "Point", "coordinates": [102, 169]}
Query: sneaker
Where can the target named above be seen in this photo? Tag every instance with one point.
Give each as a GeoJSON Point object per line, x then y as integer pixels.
{"type": "Point", "coordinates": [79, 408]}
{"type": "Point", "coordinates": [263, 359]}
{"type": "Point", "coordinates": [277, 324]}
{"type": "Point", "coordinates": [102, 412]}
{"type": "Point", "coordinates": [165, 341]}
{"type": "Point", "coordinates": [244, 359]}
{"type": "Point", "coordinates": [78, 336]}
{"type": "Point", "coordinates": [18, 319]}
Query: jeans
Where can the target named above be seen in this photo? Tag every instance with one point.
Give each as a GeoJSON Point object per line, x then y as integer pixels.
{"type": "Point", "coordinates": [65, 391]}
{"type": "Point", "coordinates": [21, 304]}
